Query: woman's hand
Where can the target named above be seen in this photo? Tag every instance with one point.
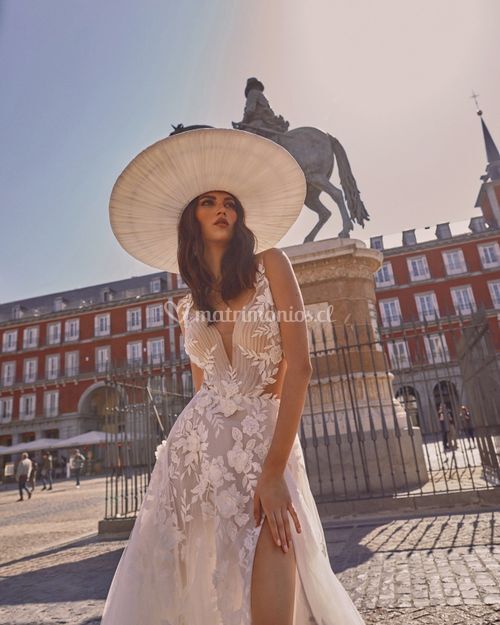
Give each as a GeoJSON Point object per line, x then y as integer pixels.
{"type": "Point", "coordinates": [272, 496]}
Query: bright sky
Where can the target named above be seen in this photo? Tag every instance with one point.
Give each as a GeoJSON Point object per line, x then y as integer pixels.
{"type": "Point", "coordinates": [87, 84]}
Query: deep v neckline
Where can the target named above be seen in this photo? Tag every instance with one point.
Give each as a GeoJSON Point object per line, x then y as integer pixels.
{"type": "Point", "coordinates": [230, 358]}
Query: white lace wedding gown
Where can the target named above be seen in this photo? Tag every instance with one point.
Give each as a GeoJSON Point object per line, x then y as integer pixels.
{"type": "Point", "coordinates": [190, 554]}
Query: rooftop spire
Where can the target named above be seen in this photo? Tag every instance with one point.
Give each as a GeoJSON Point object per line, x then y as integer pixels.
{"type": "Point", "coordinates": [492, 153]}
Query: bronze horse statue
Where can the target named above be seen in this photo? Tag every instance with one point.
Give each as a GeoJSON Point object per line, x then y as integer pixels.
{"type": "Point", "coordinates": [316, 151]}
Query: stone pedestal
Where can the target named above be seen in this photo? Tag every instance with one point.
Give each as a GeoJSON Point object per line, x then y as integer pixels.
{"type": "Point", "coordinates": [351, 411]}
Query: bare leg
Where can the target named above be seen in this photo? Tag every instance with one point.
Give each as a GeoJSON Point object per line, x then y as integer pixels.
{"type": "Point", "coordinates": [273, 581]}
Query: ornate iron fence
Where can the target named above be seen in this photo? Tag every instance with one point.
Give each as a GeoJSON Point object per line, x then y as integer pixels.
{"type": "Point", "coordinates": [383, 417]}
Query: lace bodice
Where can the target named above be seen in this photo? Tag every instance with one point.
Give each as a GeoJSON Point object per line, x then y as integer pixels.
{"type": "Point", "coordinates": [256, 350]}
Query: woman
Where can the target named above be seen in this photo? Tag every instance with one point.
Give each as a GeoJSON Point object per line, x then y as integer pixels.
{"type": "Point", "coordinates": [228, 532]}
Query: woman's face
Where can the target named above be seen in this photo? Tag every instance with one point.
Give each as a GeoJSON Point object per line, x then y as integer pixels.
{"type": "Point", "coordinates": [216, 212]}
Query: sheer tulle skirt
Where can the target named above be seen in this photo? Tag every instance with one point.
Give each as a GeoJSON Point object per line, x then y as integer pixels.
{"type": "Point", "coordinates": [190, 555]}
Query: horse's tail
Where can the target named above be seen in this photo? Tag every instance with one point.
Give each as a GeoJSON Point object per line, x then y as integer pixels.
{"type": "Point", "coordinates": [350, 188]}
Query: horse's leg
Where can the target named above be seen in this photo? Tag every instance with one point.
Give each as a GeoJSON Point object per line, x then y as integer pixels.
{"type": "Point", "coordinates": [312, 201]}
{"type": "Point", "coordinates": [323, 184]}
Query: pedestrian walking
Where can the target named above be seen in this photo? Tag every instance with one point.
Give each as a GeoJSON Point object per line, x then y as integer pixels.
{"type": "Point", "coordinates": [22, 475]}
{"type": "Point", "coordinates": [33, 474]}
{"type": "Point", "coordinates": [47, 467]}
{"type": "Point", "coordinates": [452, 430]}
{"type": "Point", "coordinates": [443, 423]}
{"type": "Point", "coordinates": [77, 462]}
{"type": "Point", "coordinates": [467, 424]}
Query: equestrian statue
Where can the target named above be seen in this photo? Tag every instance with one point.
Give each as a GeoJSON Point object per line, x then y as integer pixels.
{"type": "Point", "coordinates": [314, 150]}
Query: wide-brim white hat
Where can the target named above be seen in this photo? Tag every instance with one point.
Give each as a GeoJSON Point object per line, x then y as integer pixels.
{"type": "Point", "coordinates": [150, 194]}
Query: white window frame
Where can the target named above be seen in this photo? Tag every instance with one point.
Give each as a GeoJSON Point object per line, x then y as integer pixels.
{"type": "Point", "coordinates": [131, 312]}
{"type": "Point", "coordinates": [30, 370]}
{"type": "Point", "coordinates": [488, 261]}
{"type": "Point", "coordinates": [27, 407]}
{"type": "Point", "coordinates": [155, 285]}
{"type": "Point", "coordinates": [454, 261]}
{"type": "Point", "coordinates": [154, 320]}
{"type": "Point", "coordinates": [436, 348]}
{"type": "Point", "coordinates": [70, 336]}
{"type": "Point", "coordinates": [425, 313]}
{"type": "Point", "coordinates": [9, 344]}
{"type": "Point", "coordinates": [30, 337]}
{"type": "Point", "coordinates": [156, 356]}
{"type": "Point", "coordinates": [456, 298]}
{"type": "Point", "coordinates": [51, 403]}
{"type": "Point", "coordinates": [6, 409]}
{"type": "Point", "coordinates": [399, 354]}
{"type": "Point", "coordinates": [385, 276]}
{"type": "Point", "coordinates": [102, 365]}
{"type": "Point", "coordinates": [71, 370]}
{"type": "Point", "coordinates": [390, 318]}
{"type": "Point", "coordinates": [137, 360]}
{"type": "Point", "coordinates": [422, 272]}
{"type": "Point", "coordinates": [54, 337]}
{"type": "Point", "coordinates": [494, 288]}
{"type": "Point", "coordinates": [102, 324]}
{"type": "Point", "coordinates": [8, 373]}
{"type": "Point", "coordinates": [51, 372]}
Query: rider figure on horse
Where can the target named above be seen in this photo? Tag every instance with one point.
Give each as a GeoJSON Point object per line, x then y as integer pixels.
{"type": "Point", "coordinates": [259, 116]}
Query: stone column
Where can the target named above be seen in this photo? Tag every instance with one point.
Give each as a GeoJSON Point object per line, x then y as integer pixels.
{"type": "Point", "coordinates": [352, 424]}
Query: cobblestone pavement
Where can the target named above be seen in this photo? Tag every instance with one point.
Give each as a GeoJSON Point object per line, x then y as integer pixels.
{"type": "Point", "coordinates": [428, 570]}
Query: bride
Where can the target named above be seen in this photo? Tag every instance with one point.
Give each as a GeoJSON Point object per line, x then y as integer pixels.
{"type": "Point", "coordinates": [228, 532]}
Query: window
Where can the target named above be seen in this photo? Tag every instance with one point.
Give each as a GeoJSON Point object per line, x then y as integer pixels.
{"type": "Point", "coordinates": [418, 268]}
{"type": "Point", "coordinates": [154, 315]}
{"type": "Point", "coordinates": [436, 348]}
{"type": "Point", "coordinates": [30, 337]}
{"type": "Point", "coordinates": [52, 367]}
{"type": "Point", "coordinates": [6, 404]}
{"type": "Point", "coordinates": [9, 341]}
{"type": "Point", "coordinates": [72, 330]}
{"type": "Point", "coordinates": [489, 254]}
{"type": "Point", "coordinates": [30, 370]}
{"type": "Point", "coordinates": [454, 262]}
{"type": "Point", "coordinates": [494, 288]}
{"type": "Point", "coordinates": [155, 285]}
{"type": "Point", "coordinates": [51, 403]}
{"type": "Point", "coordinates": [390, 312]}
{"type": "Point", "coordinates": [59, 304]}
{"type": "Point", "coordinates": [187, 383]}
{"type": "Point", "coordinates": [384, 276]}
{"type": "Point", "coordinates": [182, 347]}
{"type": "Point", "coordinates": [463, 300]}
{"type": "Point", "coordinates": [27, 406]}
{"type": "Point", "coordinates": [134, 353]}
{"type": "Point", "coordinates": [427, 306]}
{"type": "Point", "coordinates": [102, 358]}
{"type": "Point", "coordinates": [17, 312]}
{"type": "Point", "coordinates": [156, 351]}
{"type": "Point", "coordinates": [134, 319]}
{"type": "Point", "coordinates": [54, 333]}
{"type": "Point", "coordinates": [102, 325]}
{"type": "Point", "coordinates": [72, 363]}
{"type": "Point", "coordinates": [8, 373]}
{"type": "Point", "coordinates": [180, 282]}
{"type": "Point", "coordinates": [398, 354]}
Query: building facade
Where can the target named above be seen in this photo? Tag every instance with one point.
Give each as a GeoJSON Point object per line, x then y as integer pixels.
{"type": "Point", "coordinates": [434, 286]}
{"type": "Point", "coordinates": [57, 350]}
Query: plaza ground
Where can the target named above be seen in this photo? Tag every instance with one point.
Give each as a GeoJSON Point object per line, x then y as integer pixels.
{"type": "Point", "coordinates": [434, 569]}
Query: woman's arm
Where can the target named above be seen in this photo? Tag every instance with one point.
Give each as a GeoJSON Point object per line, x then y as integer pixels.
{"type": "Point", "coordinates": [293, 328]}
{"type": "Point", "coordinates": [271, 492]}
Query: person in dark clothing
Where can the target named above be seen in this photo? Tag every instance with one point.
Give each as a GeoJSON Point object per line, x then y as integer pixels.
{"type": "Point", "coordinates": [468, 427]}
{"type": "Point", "coordinates": [47, 466]}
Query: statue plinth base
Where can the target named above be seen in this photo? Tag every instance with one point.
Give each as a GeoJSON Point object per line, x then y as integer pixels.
{"type": "Point", "coordinates": [352, 426]}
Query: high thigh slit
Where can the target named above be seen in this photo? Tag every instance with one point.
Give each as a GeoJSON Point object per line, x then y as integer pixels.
{"type": "Point", "coordinates": [190, 555]}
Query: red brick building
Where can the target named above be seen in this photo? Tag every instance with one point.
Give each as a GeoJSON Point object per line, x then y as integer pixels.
{"type": "Point", "coordinates": [435, 283]}
{"type": "Point", "coordinates": [56, 351]}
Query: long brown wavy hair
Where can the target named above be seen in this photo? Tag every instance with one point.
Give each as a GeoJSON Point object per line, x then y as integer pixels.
{"type": "Point", "coordinates": [238, 266]}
